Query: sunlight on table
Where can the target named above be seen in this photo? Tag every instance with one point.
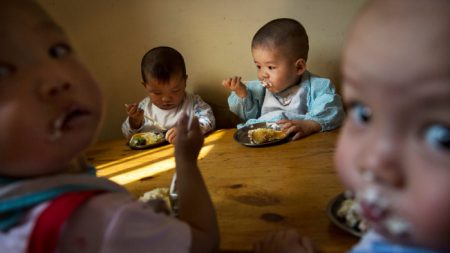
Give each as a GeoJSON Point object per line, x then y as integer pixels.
{"type": "Point", "coordinates": [147, 163]}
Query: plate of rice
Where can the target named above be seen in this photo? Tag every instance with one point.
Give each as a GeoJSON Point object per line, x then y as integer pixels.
{"type": "Point", "coordinates": [260, 135]}
{"type": "Point", "coordinates": [146, 140]}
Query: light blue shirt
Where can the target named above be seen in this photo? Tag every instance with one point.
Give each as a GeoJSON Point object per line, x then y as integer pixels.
{"type": "Point", "coordinates": [375, 243]}
{"type": "Point", "coordinates": [314, 98]}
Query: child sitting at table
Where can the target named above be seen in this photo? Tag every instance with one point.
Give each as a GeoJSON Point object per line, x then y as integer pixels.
{"type": "Point", "coordinates": [50, 201]}
{"type": "Point", "coordinates": [164, 78]}
{"type": "Point", "coordinates": [394, 148]}
{"type": "Point", "coordinates": [285, 91]}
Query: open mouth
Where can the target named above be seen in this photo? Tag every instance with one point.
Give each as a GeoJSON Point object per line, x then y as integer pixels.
{"type": "Point", "coordinates": [375, 209]}
{"type": "Point", "coordinates": [66, 121]}
{"type": "Point", "coordinates": [266, 83]}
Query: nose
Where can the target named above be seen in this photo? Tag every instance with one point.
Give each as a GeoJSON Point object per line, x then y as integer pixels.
{"type": "Point", "coordinates": [50, 89]}
{"type": "Point", "coordinates": [166, 98]}
{"type": "Point", "coordinates": [263, 74]}
{"type": "Point", "coordinates": [382, 159]}
{"type": "Point", "coordinates": [51, 84]}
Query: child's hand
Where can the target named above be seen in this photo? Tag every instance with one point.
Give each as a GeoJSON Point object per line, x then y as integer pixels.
{"type": "Point", "coordinates": [234, 83]}
{"type": "Point", "coordinates": [301, 128]}
{"type": "Point", "coordinates": [189, 141]}
{"type": "Point", "coordinates": [287, 241]}
{"type": "Point", "coordinates": [171, 134]}
{"type": "Point", "coordinates": [135, 115]}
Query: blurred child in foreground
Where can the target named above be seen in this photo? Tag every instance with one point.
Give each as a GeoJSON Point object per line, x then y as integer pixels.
{"type": "Point", "coordinates": [50, 200]}
{"type": "Point", "coordinates": [394, 148]}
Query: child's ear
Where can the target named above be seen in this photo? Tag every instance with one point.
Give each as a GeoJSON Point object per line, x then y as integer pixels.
{"type": "Point", "coordinates": [300, 65]}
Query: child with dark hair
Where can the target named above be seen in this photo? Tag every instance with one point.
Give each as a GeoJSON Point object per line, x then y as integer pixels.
{"type": "Point", "coordinates": [50, 199]}
{"type": "Point", "coordinates": [164, 78]}
{"type": "Point", "coordinates": [285, 91]}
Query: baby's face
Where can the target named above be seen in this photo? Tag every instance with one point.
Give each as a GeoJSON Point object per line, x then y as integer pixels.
{"type": "Point", "coordinates": [167, 95]}
{"type": "Point", "coordinates": [275, 70]}
{"type": "Point", "coordinates": [394, 148]}
{"type": "Point", "coordinates": [50, 106]}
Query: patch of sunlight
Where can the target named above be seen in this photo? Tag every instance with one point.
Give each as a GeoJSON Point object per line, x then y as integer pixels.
{"type": "Point", "coordinates": [217, 135]}
{"type": "Point", "coordinates": [152, 169]}
{"type": "Point", "coordinates": [137, 157]}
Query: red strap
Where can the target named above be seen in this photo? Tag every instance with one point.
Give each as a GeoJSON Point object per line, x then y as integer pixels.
{"type": "Point", "coordinates": [45, 235]}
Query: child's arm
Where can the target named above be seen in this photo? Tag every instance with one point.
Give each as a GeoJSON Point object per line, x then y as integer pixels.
{"type": "Point", "coordinates": [204, 114]}
{"type": "Point", "coordinates": [234, 84]}
{"type": "Point", "coordinates": [324, 105]}
{"type": "Point", "coordinates": [135, 115]}
{"type": "Point", "coordinates": [134, 122]}
{"type": "Point", "coordinates": [195, 205]}
{"type": "Point", "coordinates": [249, 106]}
{"type": "Point", "coordinates": [287, 241]}
{"type": "Point", "coordinates": [171, 134]}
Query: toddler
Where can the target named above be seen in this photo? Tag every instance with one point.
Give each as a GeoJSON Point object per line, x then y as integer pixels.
{"type": "Point", "coordinates": [164, 78]}
{"type": "Point", "coordinates": [394, 148]}
{"type": "Point", "coordinates": [50, 200]}
{"type": "Point", "coordinates": [285, 92]}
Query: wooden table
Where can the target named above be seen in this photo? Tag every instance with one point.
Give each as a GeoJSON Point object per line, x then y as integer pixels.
{"type": "Point", "coordinates": [255, 190]}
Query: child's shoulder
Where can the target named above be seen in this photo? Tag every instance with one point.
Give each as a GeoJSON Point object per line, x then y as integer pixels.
{"type": "Point", "coordinates": [318, 84]}
{"type": "Point", "coordinates": [316, 79]}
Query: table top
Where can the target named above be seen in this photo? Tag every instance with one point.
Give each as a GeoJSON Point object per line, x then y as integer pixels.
{"type": "Point", "coordinates": [255, 190]}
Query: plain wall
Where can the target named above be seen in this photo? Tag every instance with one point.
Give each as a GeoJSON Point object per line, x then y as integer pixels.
{"type": "Point", "coordinates": [111, 36]}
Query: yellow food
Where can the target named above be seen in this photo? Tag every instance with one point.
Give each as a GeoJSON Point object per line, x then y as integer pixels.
{"type": "Point", "coordinates": [263, 135]}
{"type": "Point", "coordinates": [141, 139]}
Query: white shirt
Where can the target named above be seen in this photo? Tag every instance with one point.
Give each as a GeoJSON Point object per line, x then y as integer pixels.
{"type": "Point", "coordinates": [167, 119]}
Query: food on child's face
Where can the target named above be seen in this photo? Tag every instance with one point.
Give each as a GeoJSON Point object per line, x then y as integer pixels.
{"type": "Point", "coordinates": [397, 226]}
{"type": "Point", "coordinates": [264, 135]}
{"type": "Point", "coordinates": [377, 207]}
{"type": "Point", "coordinates": [142, 139]}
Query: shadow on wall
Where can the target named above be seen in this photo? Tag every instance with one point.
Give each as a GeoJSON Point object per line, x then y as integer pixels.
{"type": "Point", "coordinates": [224, 118]}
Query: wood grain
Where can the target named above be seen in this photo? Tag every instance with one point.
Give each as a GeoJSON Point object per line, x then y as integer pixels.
{"type": "Point", "coordinates": [255, 190]}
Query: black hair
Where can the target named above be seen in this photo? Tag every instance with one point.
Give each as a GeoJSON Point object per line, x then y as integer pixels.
{"type": "Point", "coordinates": [283, 32]}
{"type": "Point", "coordinates": [161, 63]}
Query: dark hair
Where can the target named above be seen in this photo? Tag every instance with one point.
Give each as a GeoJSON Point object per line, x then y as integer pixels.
{"type": "Point", "coordinates": [283, 32]}
{"type": "Point", "coordinates": [161, 63]}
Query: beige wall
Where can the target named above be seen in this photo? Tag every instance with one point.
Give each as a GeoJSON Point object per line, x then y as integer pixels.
{"type": "Point", "coordinates": [214, 37]}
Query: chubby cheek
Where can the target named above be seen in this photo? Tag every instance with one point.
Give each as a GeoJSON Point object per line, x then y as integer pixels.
{"type": "Point", "coordinates": [429, 214]}
{"type": "Point", "coordinates": [155, 99]}
{"type": "Point", "coordinates": [434, 231]}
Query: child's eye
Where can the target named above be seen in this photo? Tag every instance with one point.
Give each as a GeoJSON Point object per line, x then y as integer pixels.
{"type": "Point", "coordinates": [60, 50]}
{"type": "Point", "coordinates": [258, 67]}
{"type": "Point", "coordinates": [360, 113]}
{"type": "Point", "coordinates": [175, 91]}
{"type": "Point", "coordinates": [438, 136]}
{"type": "Point", "coordinates": [6, 70]}
{"type": "Point", "coordinates": [271, 67]}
